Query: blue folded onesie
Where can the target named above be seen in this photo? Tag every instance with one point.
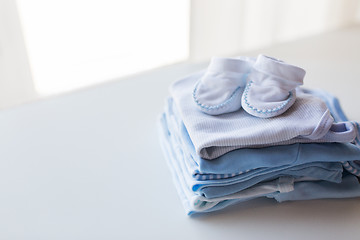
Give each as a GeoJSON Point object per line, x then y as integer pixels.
{"type": "Point", "coordinates": [290, 168]}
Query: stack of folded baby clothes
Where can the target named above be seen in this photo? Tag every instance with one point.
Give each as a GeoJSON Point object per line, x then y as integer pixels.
{"type": "Point", "coordinates": [244, 129]}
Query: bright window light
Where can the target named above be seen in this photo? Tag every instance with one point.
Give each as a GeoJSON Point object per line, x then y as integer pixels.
{"type": "Point", "coordinates": [76, 43]}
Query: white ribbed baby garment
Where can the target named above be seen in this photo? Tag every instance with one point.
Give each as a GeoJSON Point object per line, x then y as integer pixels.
{"type": "Point", "coordinates": [308, 120]}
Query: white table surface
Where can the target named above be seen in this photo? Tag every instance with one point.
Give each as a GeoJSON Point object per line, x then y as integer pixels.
{"type": "Point", "coordinates": [87, 165]}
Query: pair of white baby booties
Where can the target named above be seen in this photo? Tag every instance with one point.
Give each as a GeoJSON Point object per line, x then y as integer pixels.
{"type": "Point", "coordinates": [264, 87]}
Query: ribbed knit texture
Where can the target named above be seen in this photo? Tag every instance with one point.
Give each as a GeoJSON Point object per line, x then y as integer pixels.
{"type": "Point", "coordinates": [200, 195]}
{"type": "Point", "coordinates": [244, 160]}
{"type": "Point", "coordinates": [289, 172]}
{"type": "Point", "coordinates": [308, 120]}
{"type": "Point", "coordinates": [205, 195]}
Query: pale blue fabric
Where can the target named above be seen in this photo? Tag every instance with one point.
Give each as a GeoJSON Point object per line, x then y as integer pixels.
{"type": "Point", "coordinates": [245, 159]}
{"type": "Point", "coordinates": [244, 168]}
{"type": "Point", "coordinates": [213, 136]}
{"type": "Point", "coordinates": [220, 89]}
{"type": "Point", "coordinates": [212, 188]}
{"type": "Point", "coordinates": [337, 113]}
{"type": "Point", "coordinates": [189, 198]}
{"type": "Point", "coordinates": [270, 88]}
{"type": "Point", "coordinates": [348, 188]}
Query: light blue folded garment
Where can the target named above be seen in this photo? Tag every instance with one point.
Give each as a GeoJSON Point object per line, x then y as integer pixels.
{"type": "Point", "coordinates": [194, 202]}
{"type": "Point", "coordinates": [350, 184]}
{"type": "Point", "coordinates": [338, 114]}
{"type": "Point", "coordinates": [206, 197]}
{"type": "Point", "coordinates": [348, 188]}
{"type": "Point", "coordinates": [242, 160]}
{"type": "Point", "coordinates": [217, 185]}
{"type": "Point", "coordinates": [213, 136]}
{"type": "Point", "coordinates": [237, 176]}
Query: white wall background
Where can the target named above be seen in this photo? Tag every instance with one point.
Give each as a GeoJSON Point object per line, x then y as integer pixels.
{"type": "Point", "coordinates": [76, 43]}
{"type": "Point", "coordinates": [228, 27]}
{"type": "Point", "coordinates": [202, 28]}
{"type": "Point", "coordinates": [16, 85]}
